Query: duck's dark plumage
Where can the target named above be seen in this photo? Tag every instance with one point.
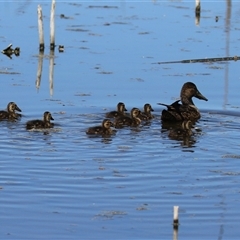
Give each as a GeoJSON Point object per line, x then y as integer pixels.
{"type": "Point", "coordinates": [120, 111]}
{"type": "Point", "coordinates": [133, 121]}
{"type": "Point", "coordinates": [146, 114]}
{"type": "Point", "coordinates": [104, 129]}
{"type": "Point", "coordinates": [10, 113]}
{"type": "Point", "coordinates": [41, 124]}
{"type": "Point", "coordinates": [187, 110]}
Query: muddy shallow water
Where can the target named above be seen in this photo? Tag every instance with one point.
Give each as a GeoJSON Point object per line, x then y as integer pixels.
{"type": "Point", "coordinates": [62, 183]}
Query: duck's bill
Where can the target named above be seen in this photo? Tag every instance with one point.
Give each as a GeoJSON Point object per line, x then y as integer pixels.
{"type": "Point", "coordinates": [18, 109]}
{"type": "Point", "coordinates": [52, 118]}
{"type": "Point", "coordinates": [200, 96]}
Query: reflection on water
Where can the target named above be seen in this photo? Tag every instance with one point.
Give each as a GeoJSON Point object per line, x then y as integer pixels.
{"type": "Point", "coordinates": [227, 47]}
{"type": "Point", "coordinates": [183, 132]}
{"type": "Point", "coordinates": [51, 57]}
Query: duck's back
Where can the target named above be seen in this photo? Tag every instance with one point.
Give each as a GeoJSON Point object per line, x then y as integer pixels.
{"type": "Point", "coordinates": [123, 121]}
{"type": "Point", "coordinates": [95, 130]}
{"type": "Point", "coordinates": [4, 115]}
{"type": "Point", "coordinates": [99, 130]}
{"type": "Point", "coordinates": [38, 124]}
{"type": "Point", "coordinates": [178, 112]}
{"type": "Point", "coordinates": [114, 114]}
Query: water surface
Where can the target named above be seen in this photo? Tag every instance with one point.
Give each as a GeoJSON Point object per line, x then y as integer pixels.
{"type": "Point", "coordinates": [62, 183]}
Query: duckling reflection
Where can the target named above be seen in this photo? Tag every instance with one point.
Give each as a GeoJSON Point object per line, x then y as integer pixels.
{"type": "Point", "coordinates": [183, 133]}
{"type": "Point", "coordinates": [133, 121]}
{"type": "Point", "coordinates": [104, 129]}
{"type": "Point", "coordinates": [146, 115]}
{"type": "Point", "coordinates": [120, 111]}
{"type": "Point", "coordinates": [41, 124]}
{"type": "Point", "coordinates": [10, 113]}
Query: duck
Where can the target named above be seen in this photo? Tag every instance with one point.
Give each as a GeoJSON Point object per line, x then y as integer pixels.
{"type": "Point", "coordinates": [10, 113]}
{"type": "Point", "coordinates": [146, 114]}
{"type": "Point", "coordinates": [41, 124]}
{"type": "Point", "coordinates": [120, 111]}
{"type": "Point", "coordinates": [133, 121]}
{"type": "Point", "coordinates": [186, 110]}
{"type": "Point", "coordinates": [104, 129]}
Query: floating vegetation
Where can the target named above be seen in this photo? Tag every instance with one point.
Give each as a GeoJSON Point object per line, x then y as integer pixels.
{"type": "Point", "coordinates": [110, 214]}
{"type": "Point", "coordinates": [231, 156]}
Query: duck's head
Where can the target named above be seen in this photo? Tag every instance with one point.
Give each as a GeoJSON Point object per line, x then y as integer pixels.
{"type": "Point", "coordinates": [12, 106]}
{"type": "Point", "coordinates": [135, 112]}
{"type": "Point", "coordinates": [148, 108]}
{"type": "Point", "coordinates": [107, 123]}
{"type": "Point", "coordinates": [190, 90]}
{"type": "Point", "coordinates": [121, 107]}
{"type": "Point", "coordinates": [47, 116]}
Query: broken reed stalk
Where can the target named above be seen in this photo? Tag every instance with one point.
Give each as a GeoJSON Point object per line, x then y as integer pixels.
{"type": "Point", "coordinates": [175, 216]}
{"type": "Point", "coordinates": [52, 30]}
{"type": "Point", "coordinates": [40, 29]}
{"type": "Point", "coordinates": [203, 60]}
{"type": "Point", "coordinates": [198, 7]}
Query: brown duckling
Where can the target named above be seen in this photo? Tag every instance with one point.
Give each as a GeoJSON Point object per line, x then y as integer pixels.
{"type": "Point", "coordinates": [105, 129]}
{"type": "Point", "coordinates": [41, 124]}
{"type": "Point", "coordinates": [187, 110]}
{"type": "Point", "coordinates": [120, 111]}
{"type": "Point", "coordinates": [146, 114]}
{"type": "Point", "coordinates": [10, 113]}
{"type": "Point", "coordinates": [133, 121]}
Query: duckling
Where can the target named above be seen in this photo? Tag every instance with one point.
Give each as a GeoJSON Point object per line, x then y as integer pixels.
{"type": "Point", "coordinates": [187, 110]}
{"type": "Point", "coordinates": [146, 115]}
{"type": "Point", "coordinates": [10, 113]}
{"type": "Point", "coordinates": [105, 129]}
{"type": "Point", "coordinates": [133, 121]}
{"type": "Point", "coordinates": [120, 111]}
{"type": "Point", "coordinates": [40, 124]}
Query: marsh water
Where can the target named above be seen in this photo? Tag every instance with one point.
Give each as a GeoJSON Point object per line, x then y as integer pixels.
{"type": "Point", "coordinates": [63, 184]}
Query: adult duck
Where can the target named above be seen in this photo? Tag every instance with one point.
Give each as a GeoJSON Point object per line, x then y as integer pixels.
{"type": "Point", "coordinates": [187, 110]}
{"type": "Point", "coordinates": [120, 111]}
{"type": "Point", "coordinates": [10, 113]}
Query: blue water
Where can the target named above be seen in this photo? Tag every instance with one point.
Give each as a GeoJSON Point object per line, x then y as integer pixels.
{"type": "Point", "coordinates": [62, 183]}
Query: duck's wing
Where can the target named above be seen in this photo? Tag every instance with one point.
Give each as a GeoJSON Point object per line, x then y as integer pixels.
{"type": "Point", "coordinates": [35, 124]}
{"type": "Point", "coordinates": [4, 115]}
{"type": "Point", "coordinates": [95, 130]}
{"type": "Point", "coordinates": [190, 112]}
{"type": "Point", "coordinates": [172, 113]}
{"type": "Point", "coordinates": [123, 121]}
{"type": "Point", "coordinates": [113, 114]}
{"type": "Point", "coordinates": [143, 116]}
{"type": "Point", "coordinates": [173, 106]}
